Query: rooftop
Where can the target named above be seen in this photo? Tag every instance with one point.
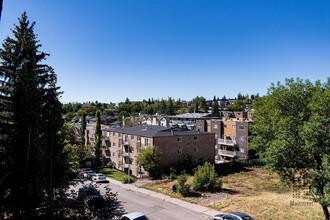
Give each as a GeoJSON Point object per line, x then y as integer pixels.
{"type": "Point", "coordinates": [154, 131]}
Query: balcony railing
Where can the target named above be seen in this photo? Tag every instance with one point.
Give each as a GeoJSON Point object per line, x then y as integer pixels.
{"type": "Point", "coordinates": [227, 153]}
{"type": "Point", "coordinates": [226, 142]}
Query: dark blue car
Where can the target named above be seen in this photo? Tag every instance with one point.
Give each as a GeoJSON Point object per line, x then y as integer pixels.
{"type": "Point", "coordinates": [233, 216]}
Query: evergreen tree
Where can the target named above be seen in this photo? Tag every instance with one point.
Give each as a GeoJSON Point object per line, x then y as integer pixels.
{"type": "Point", "coordinates": [32, 147]}
{"type": "Point", "coordinates": [83, 123]}
{"type": "Point", "coordinates": [98, 134]}
{"type": "Point", "coordinates": [215, 106]}
{"type": "Point", "coordinates": [170, 107]}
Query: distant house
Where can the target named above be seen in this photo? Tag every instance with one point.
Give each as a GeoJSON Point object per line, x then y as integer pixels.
{"type": "Point", "coordinates": [188, 119]}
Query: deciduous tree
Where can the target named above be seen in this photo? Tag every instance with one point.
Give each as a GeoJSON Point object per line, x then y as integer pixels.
{"type": "Point", "coordinates": [291, 133]}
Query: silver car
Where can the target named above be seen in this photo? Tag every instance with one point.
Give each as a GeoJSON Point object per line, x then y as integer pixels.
{"type": "Point", "coordinates": [98, 177]}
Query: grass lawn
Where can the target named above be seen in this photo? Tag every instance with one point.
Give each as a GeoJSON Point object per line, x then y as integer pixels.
{"type": "Point", "coordinates": [254, 192]}
{"type": "Point", "coordinates": [111, 173]}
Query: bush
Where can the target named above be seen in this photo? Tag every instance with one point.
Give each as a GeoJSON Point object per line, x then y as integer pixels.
{"type": "Point", "coordinates": [111, 165]}
{"type": "Point", "coordinates": [206, 178]}
{"type": "Point", "coordinates": [125, 180]}
{"type": "Point", "coordinates": [172, 173]}
{"type": "Point", "coordinates": [183, 188]}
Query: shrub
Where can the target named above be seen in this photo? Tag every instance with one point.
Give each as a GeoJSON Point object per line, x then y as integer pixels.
{"type": "Point", "coordinates": [183, 188]}
{"type": "Point", "coordinates": [111, 165]}
{"type": "Point", "coordinates": [206, 178]}
{"type": "Point", "coordinates": [125, 180]}
{"type": "Point", "coordinates": [172, 173]}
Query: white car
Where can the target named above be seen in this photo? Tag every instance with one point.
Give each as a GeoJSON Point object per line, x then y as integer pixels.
{"type": "Point", "coordinates": [88, 174]}
{"type": "Point", "coordinates": [98, 177]}
{"type": "Point", "coordinates": [134, 216]}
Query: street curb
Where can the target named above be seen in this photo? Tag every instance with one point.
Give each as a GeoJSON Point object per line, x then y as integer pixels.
{"type": "Point", "coordinates": [187, 205]}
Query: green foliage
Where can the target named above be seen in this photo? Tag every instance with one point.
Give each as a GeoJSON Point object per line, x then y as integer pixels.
{"type": "Point", "coordinates": [206, 178]}
{"type": "Point", "coordinates": [98, 134]}
{"type": "Point", "coordinates": [121, 114]}
{"type": "Point", "coordinates": [173, 173]}
{"type": "Point", "coordinates": [215, 106]}
{"type": "Point", "coordinates": [108, 112]}
{"type": "Point", "coordinates": [34, 160]}
{"type": "Point", "coordinates": [111, 165]}
{"type": "Point", "coordinates": [149, 159]}
{"type": "Point", "coordinates": [125, 180]}
{"type": "Point", "coordinates": [182, 187]}
{"type": "Point", "coordinates": [291, 133]}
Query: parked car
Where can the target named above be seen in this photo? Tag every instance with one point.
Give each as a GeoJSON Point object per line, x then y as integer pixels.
{"type": "Point", "coordinates": [134, 216]}
{"type": "Point", "coordinates": [233, 216]}
{"type": "Point", "coordinates": [88, 174]}
{"type": "Point", "coordinates": [89, 193]}
{"type": "Point", "coordinates": [99, 177]}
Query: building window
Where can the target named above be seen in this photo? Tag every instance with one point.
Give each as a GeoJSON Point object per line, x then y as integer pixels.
{"type": "Point", "coordinates": [238, 113]}
{"type": "Point", "coordinates": [132, 137]}
{"type": "Point", "coordinates": [179, 151]}
{"type": "Point", "coordinates": [113, 154]}
{"type": "Point", "coordinates": [241, 150]}
{"type": "Point", "coordinates": [241, 138]}
{"type": "Point", "coordinates": [199, 125]}
{"type": "Point", "coordinates": [241, 127]}
{"type": "Point", "coordinates": [179, 139]}
{"type": "Point", "coordinates": [195, 138]}
{"type": "Point", "coordinates": [233, 126]}
{"type": "Point", "coordinates": [146, 142]}
{"type": "Point", "coordinates": [114, 134]}
{"type": "Point", "coordinates": [188, 144]}
{"type": "Point", "coordinates": [215, 126]}
{"type": "Point", "coordinates": [224, 126]}
{"type": "Point", "coordinates": [195, 149]}
{"type": "Point", "coordinates": [114, 144]}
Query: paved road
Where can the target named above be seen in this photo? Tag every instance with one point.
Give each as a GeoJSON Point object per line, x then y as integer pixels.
{"type": "Point", "coordinates": [153, 208]}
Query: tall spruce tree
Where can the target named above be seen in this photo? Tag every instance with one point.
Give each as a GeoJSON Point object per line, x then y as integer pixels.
{"type": "Point", "coordinates": [34, 161]}
{"type": "Point", "coordinates": [215, 106]}
{"type": "Point", "coordinates": [98, 134]}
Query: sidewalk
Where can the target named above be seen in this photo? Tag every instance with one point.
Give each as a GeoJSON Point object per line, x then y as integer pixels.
{"type": "Point", "coordinates": [193, 207]}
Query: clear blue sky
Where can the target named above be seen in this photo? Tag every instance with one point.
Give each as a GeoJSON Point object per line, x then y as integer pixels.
{"type": "Point", "coordinates": [108, 50]}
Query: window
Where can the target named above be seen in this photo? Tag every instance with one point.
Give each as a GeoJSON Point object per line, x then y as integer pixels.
{"type": "Point", "coordinates": [215, 126]}
{"type": "Point", "coordinates": [241, 127]}
{"type": "Point", "coordinates": [179, 139]}
{"type": "Point", "coordinates": [179, 151]}
{"type": "Point", "coordinates": [132, 137]}
{"type": "Point", "coordinates": [241, 149]}
{"type": "Point", "coordinates": [188, 144]}
{"type": "Point", "coordinates": [146, 142]}
{"type": "Point", "coordinates": [195, 138]}
{"type": "Point", "coordinates": [238, 113]}
{"type": "Point", "coordinates": [241, 138]}
{"type": "Point", "coordinates": [114, 134]}
{"type": "Point", "coordinates": [199, 125]}
{"type": "Point", "coordinates": [224, 126]}
{"type": "Point", "coordinates": [113, 154]}
{"type": "Point", "coordinates": [195, 149]}
{"type": "Point", "coordinates": [114, 144]}
{"type": "Point", "coordinates": [233, 126]}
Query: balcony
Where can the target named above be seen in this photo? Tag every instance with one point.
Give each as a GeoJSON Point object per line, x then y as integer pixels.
{"type": "Point", "coordinates": [228, 153]}
{"type": "Point", "coordinates": [226, 142]}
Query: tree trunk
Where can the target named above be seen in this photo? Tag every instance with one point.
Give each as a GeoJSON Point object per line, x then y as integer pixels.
{"type": "Point", "coordinates": [326, 212]}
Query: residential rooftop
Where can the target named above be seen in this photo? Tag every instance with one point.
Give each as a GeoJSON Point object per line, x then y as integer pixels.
{"type": "Point", "coordinates": [154, 131]}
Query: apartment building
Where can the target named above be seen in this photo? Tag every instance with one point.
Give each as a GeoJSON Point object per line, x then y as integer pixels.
{"type": "Point", "coordinates": [121, 145]}
{"type": "Point", "coordinates": [231, 137]}
{"type": "Point", "coordinates": [189, 119]}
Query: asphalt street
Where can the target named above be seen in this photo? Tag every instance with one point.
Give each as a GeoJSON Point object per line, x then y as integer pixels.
{"type": "Point", "coordinates": [153, 208]}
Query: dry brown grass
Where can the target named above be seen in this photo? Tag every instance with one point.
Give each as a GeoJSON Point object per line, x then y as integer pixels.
{"type": "Point", "coordinates": [254, 192]}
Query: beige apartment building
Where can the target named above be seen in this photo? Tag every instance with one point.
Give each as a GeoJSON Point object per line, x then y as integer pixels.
{"type": "Point", "coordinates": [122, 144]}
{"type": "Point", "coordinates": [231, 137]}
